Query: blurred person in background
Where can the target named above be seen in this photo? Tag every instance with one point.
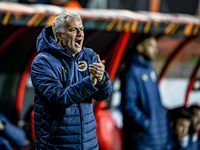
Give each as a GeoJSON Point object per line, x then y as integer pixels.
{"type": "Point", "coordinates": [11, 136]}
{"type": "Point", "coordinates": [195, 111]}
{"type": "Point", "coordinates": [195, 128]}
{"type": "Point", "coordinates": [145, 123]}
{"type": "Point", "coordinates": [180, 123]}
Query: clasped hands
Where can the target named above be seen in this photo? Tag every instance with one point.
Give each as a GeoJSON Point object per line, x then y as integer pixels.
{"type": "Point", "coordinates": [97, 70]}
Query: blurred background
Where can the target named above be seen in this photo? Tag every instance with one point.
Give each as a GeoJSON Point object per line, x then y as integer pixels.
{"type": "Point", "coordinates": [110, 26]}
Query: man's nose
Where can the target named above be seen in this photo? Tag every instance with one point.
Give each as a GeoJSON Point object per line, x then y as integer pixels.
{"type": "Point", "coordinates": [184, 131]}
{"type": "Point", "coordinates": [79, 32]}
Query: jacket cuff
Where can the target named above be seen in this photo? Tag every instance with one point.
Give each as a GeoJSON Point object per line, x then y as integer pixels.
{"type": "Point", "coordinates": [90, 86]}
{"type": "Point", "coordinates": [105, 81]}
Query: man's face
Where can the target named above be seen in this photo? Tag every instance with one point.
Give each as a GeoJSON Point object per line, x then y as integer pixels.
{"type": "Point", "coordinates": [150, 48]}
{"type": "Point", "coordinates": [74, 35]}
{"type": "Point", "coordinates": [196, 119]}
{"type": "Point", "coordinates": [182, 127]}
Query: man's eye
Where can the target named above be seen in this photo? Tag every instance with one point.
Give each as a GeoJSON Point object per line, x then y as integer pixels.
{"type": "Point", "coordinates": [73, 30]}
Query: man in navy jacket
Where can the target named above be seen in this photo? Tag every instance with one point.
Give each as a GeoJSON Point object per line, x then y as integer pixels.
{"type": "Point", "coordinates": [145, 124]}
{"type": "Point", "coordinates": [66, 76]}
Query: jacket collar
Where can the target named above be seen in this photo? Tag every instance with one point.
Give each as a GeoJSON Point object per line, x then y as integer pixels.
{"type": "Point", "coordinates": [140, 60]}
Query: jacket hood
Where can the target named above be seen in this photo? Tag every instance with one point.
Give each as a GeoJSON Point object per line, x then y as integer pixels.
{"type": "Point", "coordinates": [46, 43]}
{"type": "Point", "coordinates": [140, 61]}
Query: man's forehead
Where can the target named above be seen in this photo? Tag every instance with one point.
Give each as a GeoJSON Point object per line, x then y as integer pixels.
{"type": "Point", "coordinates": [70, 22]}
{"type": "Point", "coordinates": [149, 39]}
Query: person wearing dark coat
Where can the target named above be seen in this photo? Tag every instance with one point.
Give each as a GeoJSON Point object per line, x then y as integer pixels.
{"type": "Point", "coordinates": [145, 123]}
{"type": "Point", "coordinates": [11, 136]}
{"type": "Point", "coordinates": [66, 77]}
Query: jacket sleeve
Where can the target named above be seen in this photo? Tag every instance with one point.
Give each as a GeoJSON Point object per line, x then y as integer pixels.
{"type": "Point", "coordinates": [104, 89]}
{"type": "Point", "coordinates": [51, 89]}
{"type": "Point", "coordinates": [129, 102]}
{"type": "Point", "coordinates": [14, 134]}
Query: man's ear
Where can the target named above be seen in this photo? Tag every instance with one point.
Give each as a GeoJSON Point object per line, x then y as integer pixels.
{"type": "Point", "coordinates": [140, 48]}
{"type": "Point", "coordinates": [58, 35]}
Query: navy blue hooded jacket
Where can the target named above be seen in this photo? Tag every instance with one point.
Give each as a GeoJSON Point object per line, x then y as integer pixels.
{"type": "Point", "coordinates": [63, 110]}
{"type": "Point", "coordinates": [144, 119]}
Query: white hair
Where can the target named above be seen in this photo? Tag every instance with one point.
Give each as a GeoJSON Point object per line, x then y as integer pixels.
{"type": "Point", "coordinates": [59, 22]}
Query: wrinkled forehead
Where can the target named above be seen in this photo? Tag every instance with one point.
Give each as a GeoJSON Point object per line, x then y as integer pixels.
{"type": "Point", "coordinates": [73, 22]}
{"type": "Point", "coordinates": [68, 17]}
{"type": "Point", "coordinates": [70, 20]}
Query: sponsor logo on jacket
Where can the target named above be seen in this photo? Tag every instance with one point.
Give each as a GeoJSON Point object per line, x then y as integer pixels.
{"type": "Point", "coordinates": [65, 69]}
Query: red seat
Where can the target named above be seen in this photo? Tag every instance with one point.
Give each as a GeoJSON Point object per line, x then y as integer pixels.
{"type": "Point", "coordinates": [108, 135]}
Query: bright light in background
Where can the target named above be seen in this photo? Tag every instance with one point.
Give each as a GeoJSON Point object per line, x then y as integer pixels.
{"type": "Point", "coordinates": [173, 92]}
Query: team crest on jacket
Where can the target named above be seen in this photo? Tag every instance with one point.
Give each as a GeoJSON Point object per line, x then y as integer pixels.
{"type": "Point", "coordinates": [82, 65]}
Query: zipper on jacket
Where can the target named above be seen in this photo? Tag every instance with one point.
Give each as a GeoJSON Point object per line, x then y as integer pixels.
{"type": "Point", "coordinates": [79, 107]}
